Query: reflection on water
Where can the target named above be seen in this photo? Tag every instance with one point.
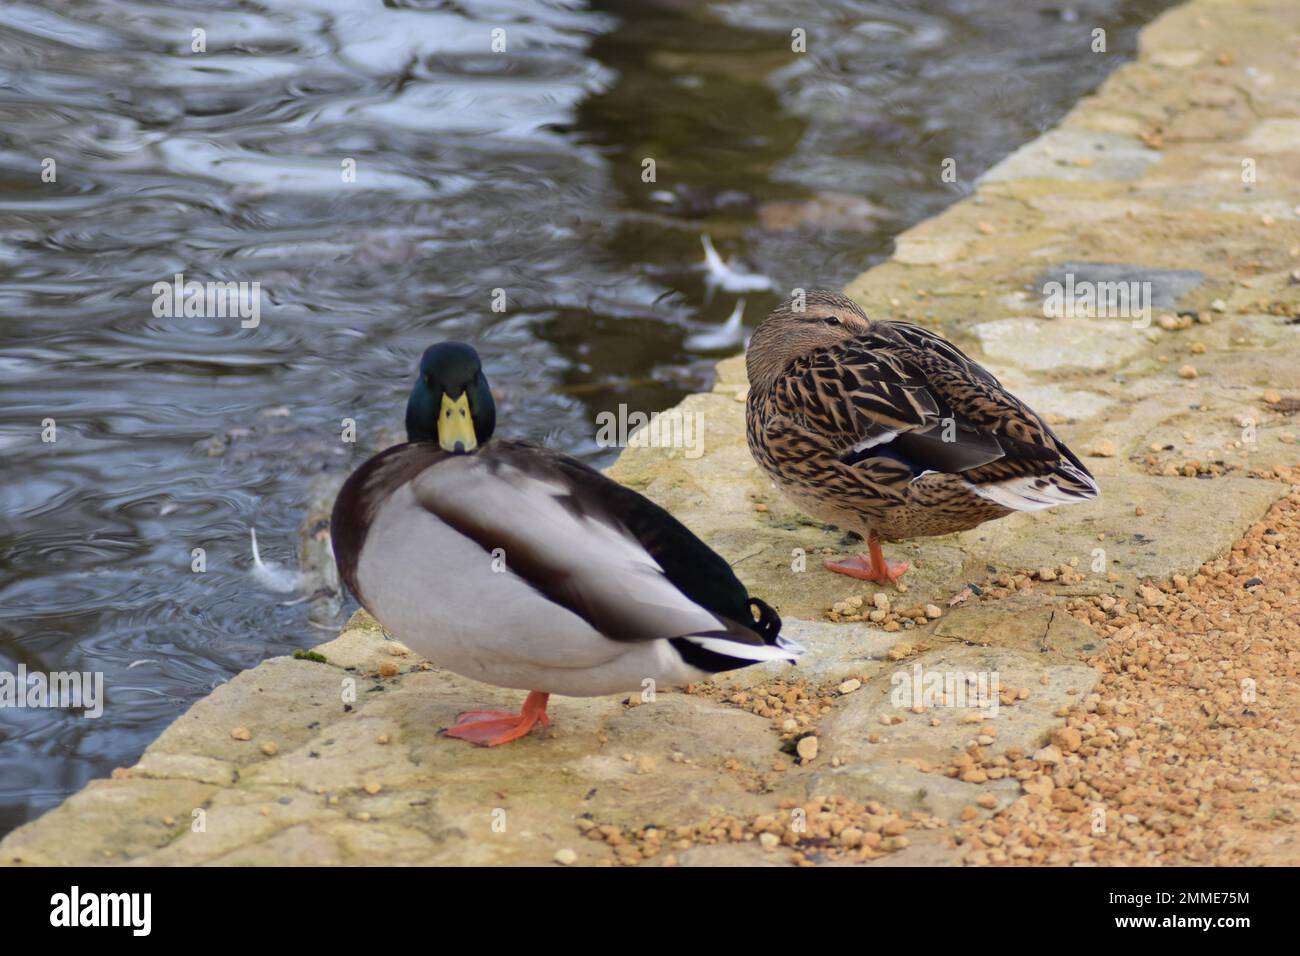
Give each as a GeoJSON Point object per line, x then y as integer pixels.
{"type": "Point", "coordinates": [475, 170]}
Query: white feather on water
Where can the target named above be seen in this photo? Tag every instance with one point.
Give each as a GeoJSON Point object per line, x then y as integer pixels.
{"type": "Point", "coordinates": [728, 335]}
{"type": "Point", "coordinates": [272, 576]}
{"type": "Point", "coordinates": [727, 277]}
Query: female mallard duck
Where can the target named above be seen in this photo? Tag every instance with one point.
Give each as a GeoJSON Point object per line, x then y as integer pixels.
{"type": "Point", "coordinates": [519, 566]}
{"type": "Point", "coordinates": [886, 429]}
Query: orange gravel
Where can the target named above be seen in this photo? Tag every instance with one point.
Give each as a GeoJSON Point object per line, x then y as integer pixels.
{"type": "Point", "coordinates": [821, 830]}
{"type": "Point", "coordinates": [1187, 752]}
{"type": "Point", "coordinates": [793, 707]}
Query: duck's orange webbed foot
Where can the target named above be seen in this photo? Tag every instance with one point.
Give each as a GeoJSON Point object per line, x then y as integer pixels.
{"type": "Point", "coordinates": [873, 566]}
{"type": "Point", "coordinates": [489, 728]}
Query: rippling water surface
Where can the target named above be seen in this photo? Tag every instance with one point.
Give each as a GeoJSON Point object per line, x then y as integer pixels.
{"type": "Point", "coordinates": [475, 170]}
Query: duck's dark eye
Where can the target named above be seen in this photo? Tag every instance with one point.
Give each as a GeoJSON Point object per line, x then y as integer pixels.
{"type": "Point", "coordinates": [832, 320]}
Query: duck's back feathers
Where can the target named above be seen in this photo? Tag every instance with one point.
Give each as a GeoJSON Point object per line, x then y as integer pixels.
{"type": "Point", "coordinates": [690, 566]}
{"type": "Point", "coordinates": [601, 550]}
{"type": "Point", "coordinates": [910, 414]}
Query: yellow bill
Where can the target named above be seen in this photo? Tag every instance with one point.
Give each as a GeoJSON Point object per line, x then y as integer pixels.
{"type": "Point", "coordinates": [455, 426]}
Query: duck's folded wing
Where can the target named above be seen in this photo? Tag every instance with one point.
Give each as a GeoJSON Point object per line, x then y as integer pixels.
{"type": "Point", "coordinates": [604, 552]}
{"type": "Point", "coordinates": [904, 405]}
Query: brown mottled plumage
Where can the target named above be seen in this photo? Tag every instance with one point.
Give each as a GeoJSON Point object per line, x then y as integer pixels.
{"type": "Point", "coordinates": [886, 429]}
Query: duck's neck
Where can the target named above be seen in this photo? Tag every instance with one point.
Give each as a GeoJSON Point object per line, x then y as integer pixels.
{"type": "Point", "coordinates": [765, 359]}
{"type": "Point", "coordinates": [421, 415]}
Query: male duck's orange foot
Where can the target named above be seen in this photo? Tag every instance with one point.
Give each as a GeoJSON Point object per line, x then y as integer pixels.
{"type": "Point", "coordinates": [864, 568]}
{"type": "Point", "coordinates": [488, 728]}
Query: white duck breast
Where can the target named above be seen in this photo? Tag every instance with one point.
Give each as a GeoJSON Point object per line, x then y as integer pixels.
{"type": "Point", "coordinates": [557, 600]}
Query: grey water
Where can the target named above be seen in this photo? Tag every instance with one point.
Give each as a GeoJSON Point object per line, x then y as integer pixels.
{"type": "Point", "coordinates": [382, 169]}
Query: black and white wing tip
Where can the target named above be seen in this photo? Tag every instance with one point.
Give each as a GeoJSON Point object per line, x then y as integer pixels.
{"type": "Point", "coordinates": [1066, 485]}
{"type": "Point", "coordinates": [783, 650]}
{"type": "Point", "coordinates": [737, 647]}
{"type": "Point", "coordinates": [792, 648]}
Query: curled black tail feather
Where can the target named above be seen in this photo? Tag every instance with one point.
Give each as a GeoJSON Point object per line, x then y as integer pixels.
{"type": "Point", "coordinates": [728, 650]}
{"type": "Point", "coordinates": [768, 623]}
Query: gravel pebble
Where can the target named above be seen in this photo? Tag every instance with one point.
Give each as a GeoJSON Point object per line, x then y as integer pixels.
{"type": "Point", "coordinates": [1050, 754]}
{"type": "Point", "coordinates": [1068, 739]}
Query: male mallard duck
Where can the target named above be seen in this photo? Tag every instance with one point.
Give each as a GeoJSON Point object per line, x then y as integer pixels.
{"type": "Point", "coordinates": [886, 429]}
{"type": "Point", "coordinates": [522, 567]}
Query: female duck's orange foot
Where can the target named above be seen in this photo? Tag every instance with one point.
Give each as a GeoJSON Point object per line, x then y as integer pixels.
{"type": "Point", "coordinates": [488, 728]}
{"type": "Point", "coordinates": [865, 569]}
